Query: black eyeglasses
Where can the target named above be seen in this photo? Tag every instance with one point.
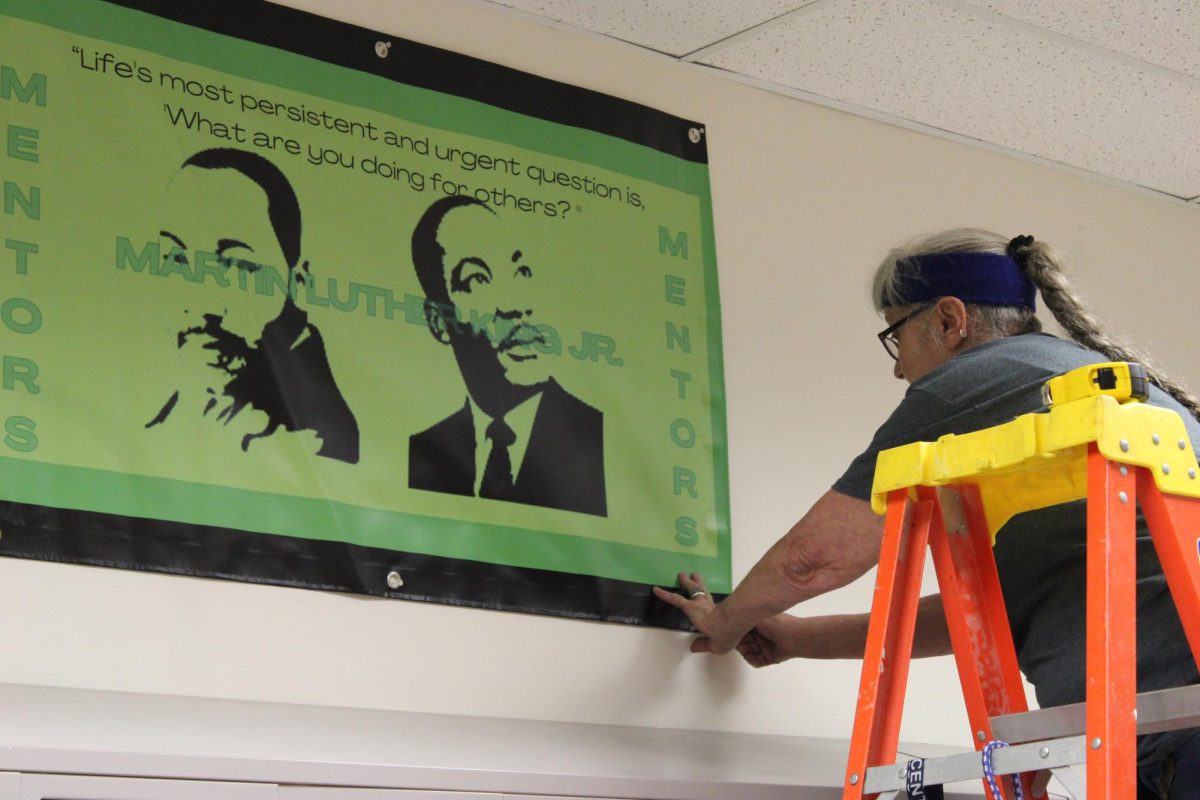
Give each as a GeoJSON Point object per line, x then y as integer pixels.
{"type": "Point", "coordinates": [887, 336]}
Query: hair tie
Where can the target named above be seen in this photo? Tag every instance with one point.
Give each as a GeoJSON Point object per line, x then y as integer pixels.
{"type": "Point", "coordinates": [1016, 244]}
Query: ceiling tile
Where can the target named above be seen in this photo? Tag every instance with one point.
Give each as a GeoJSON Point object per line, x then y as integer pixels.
{"type": "Point", "coordinates": [1162, 32]}
{"type": "Point", "coordinates": [676, 27]}
{"type": "Point", "coordinates": [941, 65]}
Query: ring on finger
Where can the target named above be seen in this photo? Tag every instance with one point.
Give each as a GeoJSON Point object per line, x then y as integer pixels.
{"type": "Point", "coordinates": [698, 593]}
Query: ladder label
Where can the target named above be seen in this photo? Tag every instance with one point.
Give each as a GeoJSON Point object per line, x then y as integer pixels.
{"type": "Point", "coordinates": [914, 782]}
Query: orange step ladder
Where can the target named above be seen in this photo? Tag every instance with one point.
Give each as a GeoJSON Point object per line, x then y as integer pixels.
{"type": "Point", "coordinates": [1097, 442]}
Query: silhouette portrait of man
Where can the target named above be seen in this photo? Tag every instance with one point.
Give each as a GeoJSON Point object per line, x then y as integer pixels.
{"type": "Point", "coordinates": [229, 215]}
{"type": "Point", "coordinates": [519, 436]}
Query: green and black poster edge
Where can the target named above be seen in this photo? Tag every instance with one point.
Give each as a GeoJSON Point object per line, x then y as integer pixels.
{"type": "Point", "coordinates": [427, 67]}
{"type": "Point", "coordinates": [112, 540]}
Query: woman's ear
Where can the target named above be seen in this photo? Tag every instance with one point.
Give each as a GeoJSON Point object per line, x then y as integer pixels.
{"type": "Point", "coordinates": [950, 322]}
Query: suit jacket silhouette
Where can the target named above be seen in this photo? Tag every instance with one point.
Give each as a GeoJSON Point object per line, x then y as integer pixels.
{"type": "Point", "coordinates": [563, 465]}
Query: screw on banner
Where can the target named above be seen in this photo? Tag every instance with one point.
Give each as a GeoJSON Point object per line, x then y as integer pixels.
{"type": "Point", "coordinates": [695, 135]}
{"type": "Point", "coordinates": [394, 581]}
{"type": "Point", "coordinates": [382, 49]}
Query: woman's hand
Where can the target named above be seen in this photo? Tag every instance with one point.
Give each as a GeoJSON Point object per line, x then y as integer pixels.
{"type": "Point", "coordinates": [703, 613]}
{"type": "Point", "coordinates": [770, 642]}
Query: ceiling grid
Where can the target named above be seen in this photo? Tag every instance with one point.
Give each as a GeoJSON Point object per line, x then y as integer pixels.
{"type": "Point", "coordinates": [1107, 87]}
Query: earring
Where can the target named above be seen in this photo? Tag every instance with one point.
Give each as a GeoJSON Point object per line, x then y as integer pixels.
{"type": "Point", "coordinates": [962, 332]}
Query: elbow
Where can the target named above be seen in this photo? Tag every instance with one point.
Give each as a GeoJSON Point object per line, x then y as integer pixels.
{"type": "Point", "coordinates": [811, 568]}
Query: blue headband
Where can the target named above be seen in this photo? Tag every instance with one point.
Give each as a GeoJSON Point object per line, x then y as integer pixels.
{"type": "Point", "coordinates": [986, 279]}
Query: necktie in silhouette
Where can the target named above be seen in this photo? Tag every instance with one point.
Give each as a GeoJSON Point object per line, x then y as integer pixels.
{"type": "Point", "coordinates": [497, 473]}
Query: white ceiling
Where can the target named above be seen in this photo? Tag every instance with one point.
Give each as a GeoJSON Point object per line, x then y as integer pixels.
{"type": "Point", "coordinates": [1111, 87]}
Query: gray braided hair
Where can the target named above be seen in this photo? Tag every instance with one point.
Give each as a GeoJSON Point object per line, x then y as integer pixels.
{"type": "Point", "coordinates": [1045, 267]}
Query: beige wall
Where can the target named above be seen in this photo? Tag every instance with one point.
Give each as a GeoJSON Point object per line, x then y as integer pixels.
{"type": "Point", "coordinates": [806, 199]}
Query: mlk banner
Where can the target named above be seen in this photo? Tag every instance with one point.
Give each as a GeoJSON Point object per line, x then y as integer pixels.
{"type": "Point", "coordinates": [289, 301]}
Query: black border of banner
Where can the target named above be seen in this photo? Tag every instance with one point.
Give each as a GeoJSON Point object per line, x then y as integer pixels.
{"type": "Point", "coordinates": [203, 551]}
{"type": "Point", "coordinates": [415, 64]}
{"type": "Point", "coordinates": [111, 540]}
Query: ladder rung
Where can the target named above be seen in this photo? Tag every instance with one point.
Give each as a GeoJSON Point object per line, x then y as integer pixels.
{"type": "Point", "coordinates": [1044, 739]}
{"type": "Point", "coordinates": [969, 766]}
{"type": "Point", "coordinates": [1163, 710]}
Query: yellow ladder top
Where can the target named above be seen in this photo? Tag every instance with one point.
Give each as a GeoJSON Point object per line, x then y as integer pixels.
{"type": "Point", "coordinates": [1040, 459]}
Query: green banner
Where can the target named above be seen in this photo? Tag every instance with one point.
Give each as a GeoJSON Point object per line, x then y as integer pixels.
{"type": "Point", "coordinates": [261, 291]}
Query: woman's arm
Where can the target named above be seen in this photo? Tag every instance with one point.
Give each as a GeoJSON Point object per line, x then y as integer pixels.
{"type": "Point", "coordinates": [833, 544]}
{"type": "Point", "coordinates": [842, 636]}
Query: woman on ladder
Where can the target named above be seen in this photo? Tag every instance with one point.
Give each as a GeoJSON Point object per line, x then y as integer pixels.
{"type": "Point", "coordinates": [962, 331]}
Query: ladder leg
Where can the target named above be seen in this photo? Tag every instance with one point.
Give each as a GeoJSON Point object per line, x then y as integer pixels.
{"type": "Point", "coordinates": [1111, 630]}
{"type": "Point", "coordinates": [889, 640]}
{"type": "Point", "coordinates": [1175, 528]}
{"type": "Point", "coordinates": [975, 613]}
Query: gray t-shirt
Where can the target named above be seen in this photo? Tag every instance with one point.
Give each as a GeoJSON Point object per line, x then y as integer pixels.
{"type": "Point", "coordinates": [1040, 555]}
